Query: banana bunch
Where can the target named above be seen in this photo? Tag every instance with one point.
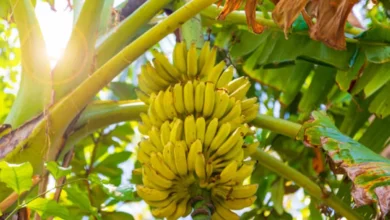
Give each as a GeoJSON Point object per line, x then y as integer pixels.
{"type": "Point", "coordinates": [195, 130]}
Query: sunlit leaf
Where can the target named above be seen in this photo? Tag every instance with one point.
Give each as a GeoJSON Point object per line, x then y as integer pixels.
{"type": "Point", "coordinates": [116, 215]}
{"type": "Point", "coordinates": [277, 194]}
{"type": "Point", "coordinates": [48, 208]}
{"type": "Point", "coordinates": [16, 176]}
{"type": "Point", "coordinates": [56, 170]}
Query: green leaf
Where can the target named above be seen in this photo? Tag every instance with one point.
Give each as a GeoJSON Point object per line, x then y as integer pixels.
{"type": "Point", "coordinates": [16, 176]}
{"type": "Point", "coordinates": [369, 172]}
{"type": "Point", "coordinates": [247, 42]}
{"type": "Point", "coordinates": [381, 104]}
{"type": "Point", "coordinates": [79, 198]}
{"type": "Point", "coordinates": [355, 117]}
{"type": "Point", "coordinates": [379, 33]}
{"type": "Point", "coordinates": [115, 159]}
{"type": "Point", "coordinates": [124, 91]}
{"type": "Point", "coordinates": [116, 215]}
{"type": "Point", "coordinates": [56, 170]}
{"type": "Point", "coordinates": [315, 214]}
{"type": "Point", "coordinates": [344, 77]}
{"type": "Point", "coordinates": [374, 77]}
{"type": "Point", "coordinates": [377, 135]}
{"type": "Point", "coordinates": [48, 208]}
{"type": "Point", "coordinates": [277, 194]}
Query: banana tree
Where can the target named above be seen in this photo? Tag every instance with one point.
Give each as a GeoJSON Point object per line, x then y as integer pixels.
{"type": "Point", "coordinates": [203, 136]}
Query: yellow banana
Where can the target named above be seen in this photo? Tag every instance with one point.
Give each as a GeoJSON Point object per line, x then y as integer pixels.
{"type": "Point", "coordinates": [166, 64]}
{"type": "Point", "coordinates": [178, 98]}
{"type": "Point", "coordinates": [180, 209]}
{"type": "Point", "coordinates": [156, 121]}
{"type": "Point", "coordinates": [165, 211]}
{"type": "Point", "coordinates": [241, 91]}
{"type": "Point", "coordinates": [237, 204]}
{"type": "Point", "coordinates": [248, 103]}
{"type": "Point", "coordinates": [190, 129]}
{"type": "Point", "coordinates": [236, 83]}
{"type": "Point", "coordinates": [251, 113]}
{"type": "Point", "coordinates": [189, 97]}
{"type": "Point", "coordinates": [234, 113]}
{"type": "Point", "coordinates": [169, 157]}
{"type": "Point", "coordinates": [143, 129]}
{"type": "Point", "coordinates": [226, 77]}
{"type": "Point", "coordinates": [162, 203]}
{"type": "Point", "coordinates": [209, 169]}
{"type": "Point", "coordinates": [221, 104]}
{"type": "Point", "coordinates": [177, 130]}
{"type": "Point", "coordinates": [204, 53]}
{"type": "Point", "coordinates": [148, 183]}
{"type": "Point", "coordinates": [144, 86]}
{"type": "Point", "coordinates": [195, 149]}
{"type": "Point", "coordinates": [200, 129]}
{"type": "Point", "coordinates": [147, 147]}
{"type": "Point", "coordinates": [159, 165]}
{"type": "Point", "coordinates": [220, 137]}
{"type": "Point", "coordinates": [151, 194]}
{"type": "Point", "coordinates": [245, 171]}
{"type": "Point", "coordinates": [229, 143]}
{"type": "Point", "coordinates": [142, 157]}
{"type": "Point", "coordinates": [200, 166]}
{"type": "Point", "coordinates": [154, 135]}
{"type": "Point", "coordinates": [243, 191]}
{"type": "Point", "coordinates": [209, 100]}
{"type": "Point", "coordinates": [250, 148]}
{"type": "Point", "coordinates": [199, 96]}
{"type": "Point", "coordinates": [215, 72]}
{"type": "Point", "coordinates": [209, 62]}
{"type": "Point", "coordinates": [192, 61]}
{"type": "Point", "coordinates": [169, 104]}
{"type": "Point", "coordinates": [225, 213]}
{"type": "Point", "coordinates": [159, 105]}
{"type": "Point", "coordinates": [165, 133]}
{"type": "Point", "coordinates": [179, 58]}
{"type": "Point", "coordinates": [229, 172]}
{"type": "Point", "coordinates": [157, 178]}
{"type": "Point", "coordinates": [149, 82]}
{"type": "Point", "coordinates": [210, 132]}
{"type": "Point", "coordinates": [180, 158]}
{"type": "Point", "coordinates": [143, 96]}
{"type": "Point", "coordinates": [145, 119]}
{"type": "Point", "coordinates": [237, 148]}
{"type": "Point", "coordinates": [163, 73]}
{"type": "Point", "coordinates": [151, 73]}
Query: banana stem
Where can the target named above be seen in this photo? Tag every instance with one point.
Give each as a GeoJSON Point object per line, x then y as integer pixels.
{"type": "Point", "coordinates": [312, 188]}
{"type": "Point", "coordinates": [203, 208]}
{"type": "Point", "coordinates": [277, 125]}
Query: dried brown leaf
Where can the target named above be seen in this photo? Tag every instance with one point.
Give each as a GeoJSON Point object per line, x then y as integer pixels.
{"type": "Point", "coordinates": [250, 11]}
{"type": "Point", "coordinates": [230, 5]}
{"type": "Point", "coordinates": [331, 19]}
{"type": "Point", "coordinates": [286, 11]}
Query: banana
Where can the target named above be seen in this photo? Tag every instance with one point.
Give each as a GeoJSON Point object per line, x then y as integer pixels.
{"type": "Point", "coordinates": [236, 149]}
{"type": "Point", "coordinates": [224, 213]}
{"type": "Point", "coordinates": [155, 120]}
{"type": "Point", "coordinates": [245, 170]}
{"type": "Point", "coordinates": [146, 88]}
{"type": "Point", "coordinates": [150, 184]}
{"type": "Point", "coordinates": [248, 103]}
{"type": "Point", "coordinates": [162, 203]}
{"type": "Point", "coordinates": [180, 158]}
{"type": "Point", "coordinates": [163, 73]}
{"type": "Point", "coordinates": [177, 130]}
{"type": "Point", "coordinates": [151, 73]}
{"type": "Point", "coordinates": [236, 83]}
{"type": "Point", "coordinates": [229, 143]}
{"type": "Point", "coordinates": [151, 194]}
{"type": "Point", "coordinates": [251, 113]}
{"type": "Point", "coordinates": [241, 91]}
{"type": "Point", "coordinates": [154, 135]}
{"type": "Point", "coordinates": [216, 216]}
{"type": "Point", "coordinates": [166, 64]}
{"type": "Point", "coordinates": [169, 157]}
{"type": "Point", "coordinates": [165, 133]}
{"type": "Point", "coordinates": [215, 72]}
{"type": "Point", "coordinates": [192, 62]}
{"type": "Point", "coordinates": [204, 53]}
{"type": "Point", "coordinates": [237, 204]}
{"type": "Point", "coordinates": [159, 105]}
{"type": "Point", "coordinates": [200, 165]}
{"type": "Point", "coordinates": [180, 210]}
{"type": "Point", "coordinates": [229, 172]}
{"type": "Point", "coordinates": [250, 148]}
{"type": "Point", "coordinates": [169, 107]}
{"type": "Point", "coordinates": [210, 132]}
{"type": "Point", "coordinates": [200, 129]}
{"type": "Point", "coordinates": [209, 169]}
{"type": "Point", "coordinates": [142, 157]}
{"type": "Point", "coordinates": [199, 96]}
{"type": "Point", "coordinates": [243, 191]}
{"type": "Point", "coordinates": [143, 129]}
{"type": "Point", "coordinates": [195, 149]}
{"type": "Point", "coordinates": [149, 81]}
{"type": "Point", "coordinates": [209, 99]}
{"type": "Point", "coordinates": [189, 97]}
{"type": "Point", "coordinates": [209, 62]}
{"type": "Point", "coordinates": [220, 137]}
{"type": "Point", "coordinates": [179, 57]}
{"type": "Point", "coordinates": [178, 98]}
{"type": "Point", "coordinates": [147, 147]}
{"type": "Point", "coordinates": [190, 129]}
{"type": "Point", "coordinates": [142, 95]}
{"type": "Point", "coordinates": [157, 178]}
{"type": "Point", "coordinates": [165, 211]}
{"type": "Point", "coordinates": [233, 114]}
{"type": "Point", "coordinates": [226, 77]}
{"type": "Point", "coordinates": [145, 119]}
{"type": "Point", "coordinates": [159, 165]}
{"type": "Point", "coordinates": [221, 104]}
